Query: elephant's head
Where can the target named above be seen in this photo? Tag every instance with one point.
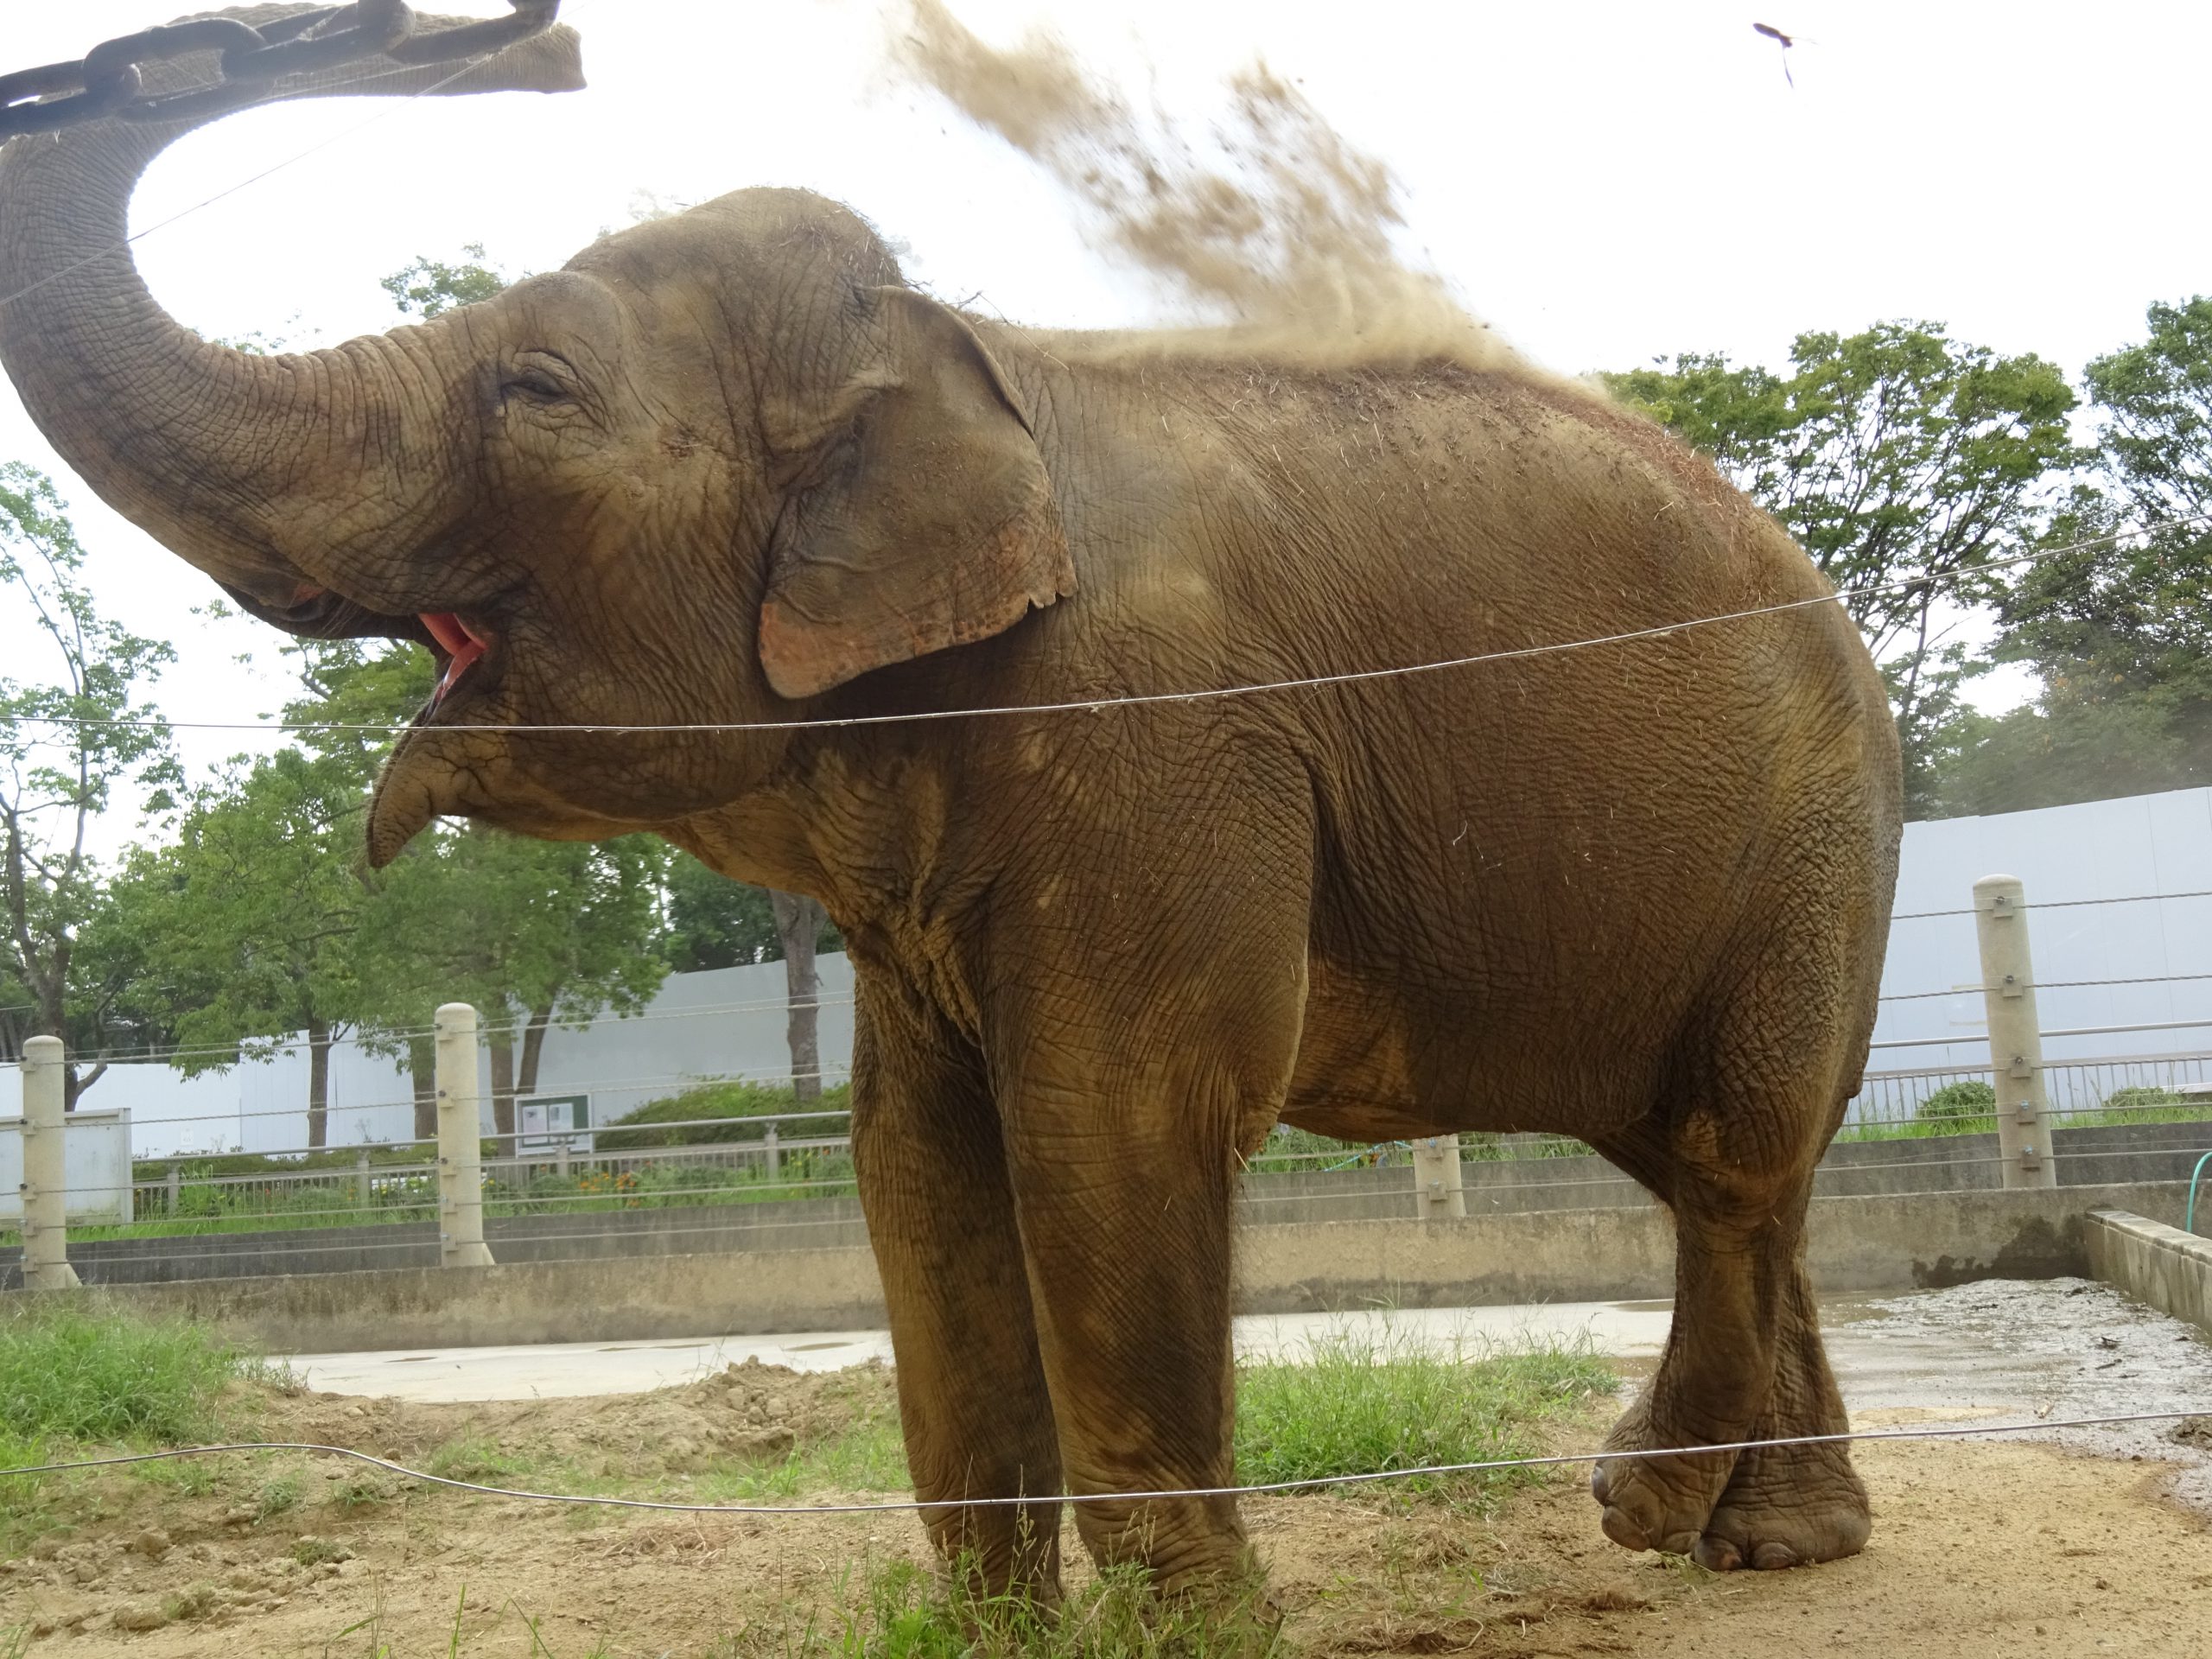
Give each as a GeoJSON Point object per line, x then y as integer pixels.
{"type": "Point", "coordinates": [717, 465]}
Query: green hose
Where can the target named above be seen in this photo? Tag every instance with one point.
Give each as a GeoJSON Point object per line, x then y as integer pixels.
{"type": "Point", "coordinates": [2188, 1220]}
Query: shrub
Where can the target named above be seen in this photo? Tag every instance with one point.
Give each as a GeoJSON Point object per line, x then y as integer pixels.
{"type": "Point", "coordinates": [743, 1106]}
{"type": "Point", "coordinates": [1968, 1107]}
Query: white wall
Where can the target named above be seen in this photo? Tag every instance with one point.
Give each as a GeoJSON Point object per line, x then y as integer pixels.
{"type": "Point", "coordinates": [95, 1158]}
{"type": "Point", "coordinates": [730, 1022]}
{"type": "Point", "coordinates": [2099, 849]}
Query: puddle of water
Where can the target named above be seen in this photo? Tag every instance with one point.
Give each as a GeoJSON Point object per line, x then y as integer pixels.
{"type": "Point", "coordinates": [2021, 1350]}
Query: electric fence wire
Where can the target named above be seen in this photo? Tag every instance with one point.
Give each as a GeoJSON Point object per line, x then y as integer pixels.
{"type": "Point", "coordinates": [917, 1505]}
{"type": "Point", "coordinates": [1086, 705]}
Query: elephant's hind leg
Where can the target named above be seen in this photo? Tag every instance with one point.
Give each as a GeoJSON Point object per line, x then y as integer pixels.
{"type": "Point", "coordinates": [1792, 1505]}
{"type": "Point", "coordinates": [1744, 1359]}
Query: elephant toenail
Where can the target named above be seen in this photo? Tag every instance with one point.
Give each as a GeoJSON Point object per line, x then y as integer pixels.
{"type": "Point", "coordinates": [1597, 1482]}
{"type": "Point", "coordinates": [1717, 1554]}
{"type": "Point", "coordinates": [1769, 1558]}
{"type": "Point", "coordinates": [1623, 1531]}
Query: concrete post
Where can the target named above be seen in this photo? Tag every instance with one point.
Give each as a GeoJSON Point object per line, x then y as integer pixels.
{"type": "Point", "coordinates": [45, 1189]}
{"type": "Point", "coordinates": [460, 1179]}
{"type": "Point", "coordinates": [775, 1153]}
{"type": "Point", "coordinates": [1438, 1188]}
{"type": "Point", "coordinates": [2008, 997]}
{"type": "Point", "coordinates": [363, 1196]}
{"type": "Point", "coordinates": [176, 1189]}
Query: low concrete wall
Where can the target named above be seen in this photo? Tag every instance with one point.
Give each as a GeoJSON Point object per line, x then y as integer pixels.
{"type": "Point", "coordinates": [1863, 1243]}
{"type": "Point", "coordinates": [2105, 1155]}
{"type": "Point", "coordinates": [2153, 1262]}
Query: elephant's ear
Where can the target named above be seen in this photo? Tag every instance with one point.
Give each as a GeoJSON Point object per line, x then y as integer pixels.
{"type": "Point", "coordinates": [928, 520]}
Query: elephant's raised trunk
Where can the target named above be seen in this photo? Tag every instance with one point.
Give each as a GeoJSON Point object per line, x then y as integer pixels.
{"type": "Point", "coordinates": [224, 457]}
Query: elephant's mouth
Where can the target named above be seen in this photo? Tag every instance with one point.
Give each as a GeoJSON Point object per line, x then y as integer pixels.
{"type": "Point", "coordinates": [460, 644]}
{"type": "Point", "coordinates": [456, 643]}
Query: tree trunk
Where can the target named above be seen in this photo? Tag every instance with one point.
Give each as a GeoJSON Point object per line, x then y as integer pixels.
{"type": "Point", "coordinates": [318, 1084]}
{"type": "Point", "coordinates": [798, 924]}
{"type": "Point", "coordinates": [533, 1045]}
{"type": "Point", "coordinates": [503, 1085]}
{"type": "Point", "coordinates": [422, 1067]}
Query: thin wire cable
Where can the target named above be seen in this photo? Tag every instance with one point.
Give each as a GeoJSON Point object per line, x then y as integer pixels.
{"type": "Point", "coordinates": [912, 1505]}
{"type": "Point", "coordinates": [2057, 904]}
{"type": "Point", "coordinates": [2045, 985]}
{"type": "Point", "coordinates": [1090, 705]}
{"type": "Point", "coordinates": [606, 1016]}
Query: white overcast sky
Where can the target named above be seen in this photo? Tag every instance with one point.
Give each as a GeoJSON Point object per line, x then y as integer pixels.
{"type": "Point", "coordinates": [1603, 182]}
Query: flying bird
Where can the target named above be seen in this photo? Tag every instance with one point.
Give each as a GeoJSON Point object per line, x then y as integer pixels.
{"type": "Point", "coordinates": [1786, 43]}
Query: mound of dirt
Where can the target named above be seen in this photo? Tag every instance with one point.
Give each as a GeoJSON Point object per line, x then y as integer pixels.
{"type": "Point", "coordinates": [751, 1411]}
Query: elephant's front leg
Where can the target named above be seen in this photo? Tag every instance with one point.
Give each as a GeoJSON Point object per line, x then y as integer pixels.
{"type": "Point", "coordinates": [1125, 1135]}
{"type": "Point", "coordinates": [972, 1400]}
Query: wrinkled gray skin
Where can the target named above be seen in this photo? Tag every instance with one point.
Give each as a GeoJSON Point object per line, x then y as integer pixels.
{"type": "Point", "coordinates": [725, 468]}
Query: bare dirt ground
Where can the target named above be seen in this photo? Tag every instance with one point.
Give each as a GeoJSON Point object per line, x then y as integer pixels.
{"type": "Point", "coordinates": [1981, 1548]}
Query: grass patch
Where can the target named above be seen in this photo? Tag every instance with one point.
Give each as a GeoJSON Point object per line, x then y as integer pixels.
{"type": "Point", "coordinates": [895, 1610]}
{"type": "Point", "coordinates": [472, 1456]}
{"type": "Point", "coordinates": [869, 1457]}
{"type": "Point", "coordinates": [75, 1377]}
{"type": "Point", "coordinates": [1359, 1401]}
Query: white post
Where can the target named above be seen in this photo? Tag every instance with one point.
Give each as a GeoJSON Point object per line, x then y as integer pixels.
{"type": "Point", "coordinates": [460, 1179]}
{"type": "Point", "coordinates": [2008, 994]}
{"type": "Point", "coordinates": [1438, 1188]}
{"type": "Point", "coordinates": [775, 1153]}
{"type": "Point", "coordinates": [45, 1182]}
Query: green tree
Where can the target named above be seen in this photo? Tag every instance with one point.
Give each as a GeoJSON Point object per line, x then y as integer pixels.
{"type": "Point", "coordinates": [1904, 462]}
{"type": "Point", "coordinates": [714, 922]}
{"type": "Point", "coordinates": [73, 728]}
{"type": "Point", "coordinates": [253, 913]}
{"type": "Point", "coordinates": [533, 933]}
{"type": "Point", "coordinates": [428, 288]}
{"type": "Point", "coordinates": [2117, 621]}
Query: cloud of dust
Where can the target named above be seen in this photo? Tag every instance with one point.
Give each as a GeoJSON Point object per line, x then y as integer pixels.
{"type": "Point", "coordinates": [1282, 232]}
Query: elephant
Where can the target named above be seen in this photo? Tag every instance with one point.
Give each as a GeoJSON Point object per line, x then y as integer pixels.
{"type": "Point", "coordinates": [725, 531]}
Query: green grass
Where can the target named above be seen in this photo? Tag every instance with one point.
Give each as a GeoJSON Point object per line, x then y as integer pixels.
{"type": "Point", "coordinates": [1358, 1402]}
{"type": "Point", "coordinates": [894, 1610]}
{"type": "Point", "coordinates": [87, 1376]}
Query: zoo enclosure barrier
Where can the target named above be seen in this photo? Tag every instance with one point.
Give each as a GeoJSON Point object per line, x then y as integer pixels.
{"type": "Point", "coordinates": [544, 1174]}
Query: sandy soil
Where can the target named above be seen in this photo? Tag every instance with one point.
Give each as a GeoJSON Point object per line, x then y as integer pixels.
{"type": "Point", "coordinates": [1981, 1548]}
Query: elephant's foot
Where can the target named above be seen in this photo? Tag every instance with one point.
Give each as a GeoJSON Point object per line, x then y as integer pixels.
{"type": "Point", "coordinates": [1660, 1503]}
{"type": "Point", "coordinates": [1789, 1506]}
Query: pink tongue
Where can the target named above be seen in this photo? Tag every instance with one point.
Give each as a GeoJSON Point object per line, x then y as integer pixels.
{"type": "Point", "coordinates": [454, 638]}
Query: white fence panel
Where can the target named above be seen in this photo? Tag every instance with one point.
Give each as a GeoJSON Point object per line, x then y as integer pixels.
{"type": "Point", "coordinates": [95, 1160]}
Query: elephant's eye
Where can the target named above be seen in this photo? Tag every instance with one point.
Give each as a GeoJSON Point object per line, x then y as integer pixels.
{"type": "Point", "coordinates": [541, 377]}
{"type": "Point", "coordinates": [537, 386]}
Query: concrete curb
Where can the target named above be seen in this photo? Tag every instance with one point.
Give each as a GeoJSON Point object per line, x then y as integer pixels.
{"type": "Point", "coordinates": [2170, 1269]}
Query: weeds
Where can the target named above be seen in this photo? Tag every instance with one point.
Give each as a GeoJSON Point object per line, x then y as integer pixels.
{"type": "Point", "coordinates": [74, 1377]}
{"type": "Point", "coordinates": [895, 1610]}
{"type": "Point", "coordinates": [472, 1456]}
{"type": "Point", "coordinates": [275, 1496]}
{"type": "Point", "coordinates": [1358, 1402]}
